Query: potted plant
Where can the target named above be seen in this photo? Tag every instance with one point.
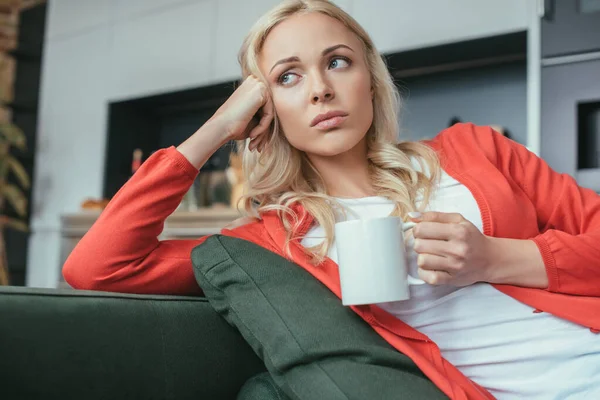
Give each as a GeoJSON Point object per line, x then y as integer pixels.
{"type": "Point", "coordinates": [11, 136]}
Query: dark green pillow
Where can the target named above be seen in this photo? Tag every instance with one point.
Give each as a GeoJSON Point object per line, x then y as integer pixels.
{"type": "Point", "coordinates": [312, 345]}
{"type": "Point", "coordinates": [261, 387]}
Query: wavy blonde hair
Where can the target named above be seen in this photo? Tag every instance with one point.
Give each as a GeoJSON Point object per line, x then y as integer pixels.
{"type": "Point", "coordinates": [283, 176]}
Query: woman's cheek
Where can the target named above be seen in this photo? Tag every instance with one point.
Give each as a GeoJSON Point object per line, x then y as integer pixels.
{"type": "Point", "coordinates": [288, 107]}
{"type": "Point", "coordinates": [361, 85]}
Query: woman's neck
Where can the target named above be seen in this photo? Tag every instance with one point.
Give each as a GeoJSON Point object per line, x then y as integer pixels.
{"type": "Point", "coordinates": [347, 174]}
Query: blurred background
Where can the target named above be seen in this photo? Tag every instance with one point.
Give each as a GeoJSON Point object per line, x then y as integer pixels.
{"type": "Point", "coordinates": [95, 86]}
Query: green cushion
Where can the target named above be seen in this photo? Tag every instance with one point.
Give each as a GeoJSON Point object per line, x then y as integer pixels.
{"type": "Point", "coordinates": [313, 346]}
{"type": "Point", "coordinates": [261, 387]}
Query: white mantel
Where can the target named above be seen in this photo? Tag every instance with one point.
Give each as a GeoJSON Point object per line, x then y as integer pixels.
{"type": "Point", "coordinates": [179, 225]}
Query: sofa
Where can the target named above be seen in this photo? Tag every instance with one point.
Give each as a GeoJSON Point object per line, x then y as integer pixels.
{"type": "Point", "coordinates": [68, 344]}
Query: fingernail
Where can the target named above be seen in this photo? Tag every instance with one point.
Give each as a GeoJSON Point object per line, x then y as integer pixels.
{"type": "Point", "coordinates": [415, 214]}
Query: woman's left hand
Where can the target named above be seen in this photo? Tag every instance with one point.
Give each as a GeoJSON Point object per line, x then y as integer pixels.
{"type": "Point", "coordinates": [451, 250]}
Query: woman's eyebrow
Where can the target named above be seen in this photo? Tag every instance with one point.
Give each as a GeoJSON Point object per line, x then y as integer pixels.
{"type": "Point", "coordinates": [323, 53]}
{"type": "Point", "coordinates": [334, 48]}
{"type": "Point", "coordinates": [285, 61]}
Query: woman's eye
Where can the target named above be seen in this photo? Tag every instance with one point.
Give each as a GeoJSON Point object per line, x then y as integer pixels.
{"type": "Point", "coordinates": [339, 62]}
{"type": "Point", "coordinates": [288, 78]}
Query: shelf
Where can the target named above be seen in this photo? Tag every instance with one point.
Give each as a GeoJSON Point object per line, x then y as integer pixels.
{"type": "Point", "coordinates": [476, 53]}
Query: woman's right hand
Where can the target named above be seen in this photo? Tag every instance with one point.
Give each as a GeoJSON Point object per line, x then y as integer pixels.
{"type": "Point", "coordinates": [247, 113]}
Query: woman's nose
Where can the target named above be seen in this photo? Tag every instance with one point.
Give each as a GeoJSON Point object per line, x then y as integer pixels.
{"type": "Point", "coordinates": [321, 90]}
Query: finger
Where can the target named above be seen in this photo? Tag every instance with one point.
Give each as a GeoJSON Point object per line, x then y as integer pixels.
{"type": "Point", "coordinates": [258, 129]}
{"type": "Point", "coordinates": [265, 139]}
{"type": "Point", "coordinates": [440, 255]}
{"type": "Point", "coordinates": [258, 142]}
{"type": "Point", "coordinates": [434, 277]}
{"type": "Point", "coordinates": [261, 142]}
{"type": "Point", "coordinates": [436, 216]}
{"type": "Point", "coordinates": [265, 120]}
{"type": "Point", "coordinates": [268, 109]}
{"type": "Point", "coordinates": [441, 248]}
{"type": "Point", "coordinates": [434, 230]}
{"type": "Point", "coordinates": [253, 144]}
{"type": "Point", "coordinates": [251, 125]}
{"type": "Point", "coordinates": [433, 262]}
{"type": "Point", "coordinates": [255, 129]}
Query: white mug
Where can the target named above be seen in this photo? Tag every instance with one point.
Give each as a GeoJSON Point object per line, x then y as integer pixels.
{"type": "Point", "coordinates": [372, 260]}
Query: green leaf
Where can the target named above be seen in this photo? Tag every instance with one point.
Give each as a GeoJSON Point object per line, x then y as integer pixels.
{"type": "Point", "coordinates": [19, 171]}
{"type": "Point", "coordinates": [16, 224]}
{"type": "Point", "coordinates": [16, 198]}
{"type": "Point", "coordinates": [14, 135]}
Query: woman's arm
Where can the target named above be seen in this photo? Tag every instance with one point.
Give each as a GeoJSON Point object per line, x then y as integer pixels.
{"type": "Point", "coordinates": [121, 252]}
{"type": "Point", "coordinates": [452, 251]}
{"type": "Point", "coordinates": [563, 258]}
{"type": "Point", "coordinates": [569, 219]}
{"type": "Point", "coordinates": [516, 262]}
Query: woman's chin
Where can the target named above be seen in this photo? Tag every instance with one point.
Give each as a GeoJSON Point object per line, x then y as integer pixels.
{"type": "Point", "coordinates": [332, 146]}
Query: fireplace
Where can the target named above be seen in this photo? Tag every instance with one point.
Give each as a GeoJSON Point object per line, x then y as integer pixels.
{"type": "Point", "coordinates": [155, 122]}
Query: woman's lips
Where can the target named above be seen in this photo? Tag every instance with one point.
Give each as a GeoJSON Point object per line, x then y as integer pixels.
{"type": "Point", "coordinates": [330, 123]}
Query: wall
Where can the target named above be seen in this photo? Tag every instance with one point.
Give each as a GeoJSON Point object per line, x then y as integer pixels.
{"type": "Point", "coordinates": [100, 51]}
{"type": "Point", "coordinates": [431, 101]}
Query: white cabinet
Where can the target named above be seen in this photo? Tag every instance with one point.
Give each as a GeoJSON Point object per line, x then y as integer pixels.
{"type": "Point", "coordinates": [163, 51]}
{"type": "Point", "coordinates": [234, 20]}
{"type": "Point", "coordinates": [397, 25]}
{"type": "Point", "coordinates": [69, 17]}
{"type": "Point", "coordinates": [133, 8]}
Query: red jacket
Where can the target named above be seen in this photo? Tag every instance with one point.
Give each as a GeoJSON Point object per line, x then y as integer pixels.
{"type": "Point", "coordinates": [518, 194]}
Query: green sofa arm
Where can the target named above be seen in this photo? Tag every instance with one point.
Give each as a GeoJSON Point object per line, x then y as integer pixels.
{"type": "Point", "coordinates": [69, 344]}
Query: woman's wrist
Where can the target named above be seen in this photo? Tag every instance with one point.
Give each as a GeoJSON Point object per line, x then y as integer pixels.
{"type": "Point", "coordinates": [516, 262]}
{"type": "Point", "coordinates": [204, 142]}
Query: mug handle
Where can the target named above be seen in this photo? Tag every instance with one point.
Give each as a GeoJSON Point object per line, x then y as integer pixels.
{"type": "Point", "coordinates": [411, 280]}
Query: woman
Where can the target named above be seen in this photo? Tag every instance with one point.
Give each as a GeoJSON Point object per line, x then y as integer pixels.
{"type": "Point", "coordinates": [499, 238]}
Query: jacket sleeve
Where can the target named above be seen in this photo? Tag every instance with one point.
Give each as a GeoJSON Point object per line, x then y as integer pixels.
{"type": "Point", "coordinates": [569, 220]}
{"type": "Point", "coordinates": [121, 252]}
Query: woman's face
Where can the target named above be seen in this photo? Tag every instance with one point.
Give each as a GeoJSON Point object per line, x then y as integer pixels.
{"type": "Point", "coordinates": [316, 71]}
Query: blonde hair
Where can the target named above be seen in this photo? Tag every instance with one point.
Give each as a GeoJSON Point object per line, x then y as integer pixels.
{"type": "Point", "coordinates": [282, 176]}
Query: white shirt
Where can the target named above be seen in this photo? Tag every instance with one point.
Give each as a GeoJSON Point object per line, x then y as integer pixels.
{"type": "Point", "coordinates": [493, 339]}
